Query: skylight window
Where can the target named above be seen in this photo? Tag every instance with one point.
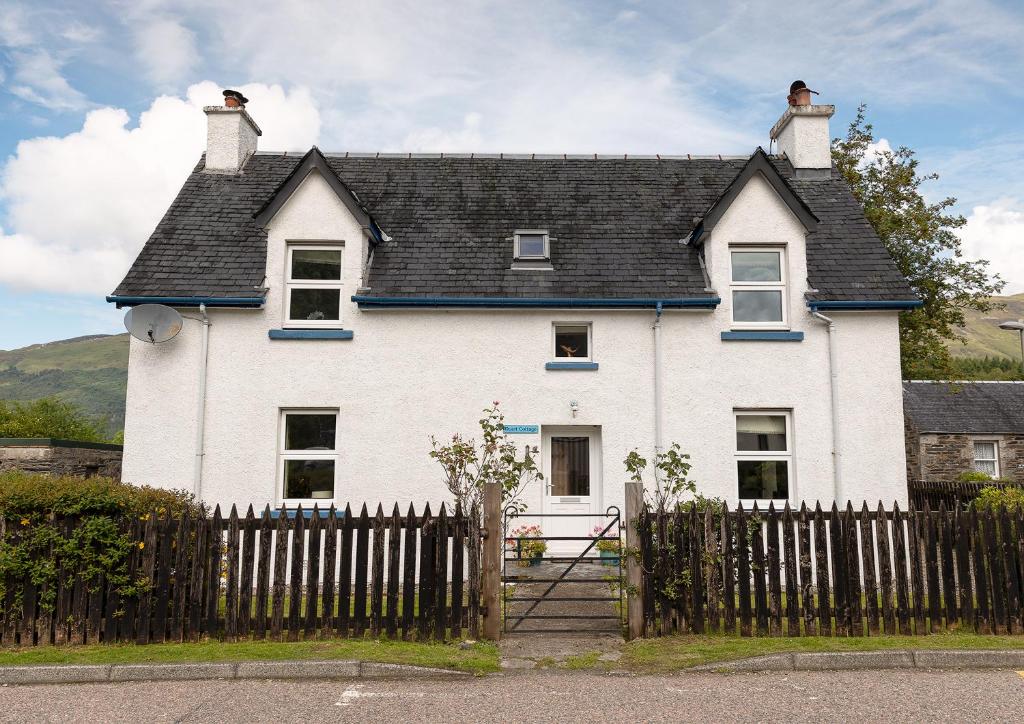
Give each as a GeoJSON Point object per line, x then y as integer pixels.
{"type": "Point", "coordinates": [532, 245]}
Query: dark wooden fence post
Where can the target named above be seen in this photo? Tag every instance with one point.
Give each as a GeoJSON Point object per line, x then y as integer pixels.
{"type": "Point", "coordinates": [492, 553]}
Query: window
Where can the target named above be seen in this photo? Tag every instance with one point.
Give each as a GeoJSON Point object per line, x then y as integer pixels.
{"type": "Point", "coordinates": [763, 454]}
{"type": "Point", "coordinates": [313, 286]}
{"type": "Point", "coordinates": [308, 456]}
{"type": "Point", "coordinates": [986, 458]}
{"type": "Point", "coordinates": [572, 341]}
{"type": "Point", "coordinates": [532, 245]}
{"type": "Point", "coordinates": [758, 287]}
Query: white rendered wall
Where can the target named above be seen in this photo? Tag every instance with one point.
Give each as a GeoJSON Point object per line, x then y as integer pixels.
{"type": "Point", "coordinates": [231, 138]}
{"type": "Point", "coordinates": [409, 374]}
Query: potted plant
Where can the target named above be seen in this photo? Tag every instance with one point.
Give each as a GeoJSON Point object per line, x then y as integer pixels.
{"type": "Point", "coordinates": [609, 548]}
{"type": "Point", "coordinates": [528, 546]}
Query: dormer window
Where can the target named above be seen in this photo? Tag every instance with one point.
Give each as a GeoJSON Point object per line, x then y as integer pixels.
{"type": "Point", "coordinates": [532, 245]}
{"type": "Point", "coordinates": [313, 286]}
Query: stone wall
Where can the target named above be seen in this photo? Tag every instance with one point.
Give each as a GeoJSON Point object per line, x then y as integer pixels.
{"type": "Point", "coordinates": [944, 456]}
{"type": "Point", "coordinates": [61, 457]}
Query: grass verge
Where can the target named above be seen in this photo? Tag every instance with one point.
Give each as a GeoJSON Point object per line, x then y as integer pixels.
{"type": "Point", "coordinates": [673, 653]}
{"type": "Point", "coordinates": [480, 658]}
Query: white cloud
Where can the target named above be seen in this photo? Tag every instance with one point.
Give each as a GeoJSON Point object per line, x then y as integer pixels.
{"type": "Point", "coordinates": [37, 78]}
{"type": "Point", "coordinates": [80, 207]}
{"type": "Point", "coordinates": [165, 48]}
{"type": "Point", "coordinates": [995, 232]}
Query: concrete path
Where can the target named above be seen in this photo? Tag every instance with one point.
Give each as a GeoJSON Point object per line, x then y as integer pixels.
{"type": "Point", "coordinates": [899, 695]}
{"type": "Point", "coordinates": [541, 642]}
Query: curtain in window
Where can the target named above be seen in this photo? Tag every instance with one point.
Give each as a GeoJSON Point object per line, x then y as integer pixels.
{"type": "Point", "coordinates": [570, 466]}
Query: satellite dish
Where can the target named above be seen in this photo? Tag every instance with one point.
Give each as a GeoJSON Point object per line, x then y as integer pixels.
{"type": "Point", "coordinates": [152, 322]}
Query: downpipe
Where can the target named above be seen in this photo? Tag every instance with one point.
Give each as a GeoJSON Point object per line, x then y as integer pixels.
{"type": "Point", "coordinates": [658, 439]}
{"type": "Point", "coordinates": [197, 483]}
{"type": "Point", "coordinates": [833, 367]}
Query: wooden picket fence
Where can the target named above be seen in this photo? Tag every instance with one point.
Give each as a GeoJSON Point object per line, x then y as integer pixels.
{"type": "Point", "coordinates": [831, 573]}
{"type": "Point", "coordinates": [954, 493]}
{"type": "Point", "coordinates": [284, 576]}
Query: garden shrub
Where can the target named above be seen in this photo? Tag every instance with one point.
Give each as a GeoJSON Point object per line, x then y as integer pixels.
{"type": "Point", "coordinates": [992, 497]}
{"type": "Point", "coordinates": [67, 526]}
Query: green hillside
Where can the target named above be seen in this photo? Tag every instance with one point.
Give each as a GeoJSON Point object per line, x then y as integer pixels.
{"type": "Point", "coordinates": [91, 372]}
{"type": "Point", "coordinates": [985, 339]}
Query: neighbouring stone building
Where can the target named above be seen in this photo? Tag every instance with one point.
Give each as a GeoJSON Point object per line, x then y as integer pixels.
{"type": "Point", "coordinates": [955, 427]}
{"type": "Point", "coordinates": [60, 457]}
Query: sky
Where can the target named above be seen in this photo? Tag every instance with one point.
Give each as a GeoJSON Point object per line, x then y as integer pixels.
{"type": "Point", "coordinates": [101, 104]}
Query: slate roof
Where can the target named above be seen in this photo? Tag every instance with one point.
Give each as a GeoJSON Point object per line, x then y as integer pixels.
{"type": "Point", "coordinates": [965, 407]}
{"type": "Point", "coordinates": [617, 226]}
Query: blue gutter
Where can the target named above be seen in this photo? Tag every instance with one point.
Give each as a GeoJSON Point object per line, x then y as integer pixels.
{"type": "Point", "coordinates": [866, 305]}
{"type": "Point", "coordinates": [560, 303]}
{"type": "Point", "coordinates": [188, 301]}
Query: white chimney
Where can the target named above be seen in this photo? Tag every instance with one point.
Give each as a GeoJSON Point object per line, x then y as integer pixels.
{"type": "Point", "coordinates": [231, 134]}
{"type": "Point", "coordinates": [802, 133]}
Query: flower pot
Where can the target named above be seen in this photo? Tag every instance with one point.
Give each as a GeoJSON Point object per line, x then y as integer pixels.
{"type": "Point", "coordinates": [609, 558]}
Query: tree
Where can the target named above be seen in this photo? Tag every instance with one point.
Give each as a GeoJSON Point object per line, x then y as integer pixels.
{"type": "Point", "coordinates": [921, 239]}
{"type": "Point", "coordinates": [48, 417]}
{"type": "Point", "coordinates": [467, 467]}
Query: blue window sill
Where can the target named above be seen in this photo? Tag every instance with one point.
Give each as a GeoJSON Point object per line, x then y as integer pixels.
{"type": "Point", "coordinates": [310, 334]}
{"type": "Point", "coordinates": [762, 336]}
{"type": "Point", "coordinates": [571, 366]}
{"type": "Point", "coordinates": [307, 513]}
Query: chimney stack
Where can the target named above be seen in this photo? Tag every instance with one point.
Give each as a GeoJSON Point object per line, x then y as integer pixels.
{"type": "Point", "coordinates": [802, 133]}
{"type": "Point", "coordinates": [231, 134]}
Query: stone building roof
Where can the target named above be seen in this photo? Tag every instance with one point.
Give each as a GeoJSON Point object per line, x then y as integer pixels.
{"type": "Point", "coordinates": [965, 407]}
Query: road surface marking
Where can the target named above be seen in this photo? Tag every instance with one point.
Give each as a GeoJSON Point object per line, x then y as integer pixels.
{"type": "Point", "coordinates": [355, 693]}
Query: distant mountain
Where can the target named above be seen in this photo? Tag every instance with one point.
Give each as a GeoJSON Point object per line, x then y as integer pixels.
{"type": "Point", "coordinates": [985, 339]}
{"type": "Point", "coordinates": [91, 372]}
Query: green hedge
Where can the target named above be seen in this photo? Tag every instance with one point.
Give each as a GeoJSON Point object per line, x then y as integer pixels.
{"type": "Point", "coordinates": [990, 498]}
{"type": "Point", "coordinates": [74, 527]}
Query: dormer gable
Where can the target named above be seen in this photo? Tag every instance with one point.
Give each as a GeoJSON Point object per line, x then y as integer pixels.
{"type": "Point", "coordinates": [314, 160]}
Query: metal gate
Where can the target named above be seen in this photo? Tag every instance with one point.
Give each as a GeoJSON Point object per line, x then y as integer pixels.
{"type": "Point", "coordinates": [532, 591]}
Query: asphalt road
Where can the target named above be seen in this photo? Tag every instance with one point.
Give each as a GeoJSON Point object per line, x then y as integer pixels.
{"type": "Point", "coordinates": [917, 696]}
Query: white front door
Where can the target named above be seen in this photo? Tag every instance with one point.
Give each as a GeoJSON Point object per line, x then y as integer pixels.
{"type": "Point", "coordinates": [572, 477]}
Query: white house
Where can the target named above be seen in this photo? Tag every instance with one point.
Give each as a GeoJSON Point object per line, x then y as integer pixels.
{"type": "Point", "coordinates": [359, 303]}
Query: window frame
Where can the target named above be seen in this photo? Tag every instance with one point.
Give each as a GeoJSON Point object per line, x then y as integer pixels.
{"type": "Point", "coordinates": [786, 455]}
{"type": "Point", "coordinates": [291, 284]}
{"type": "Point", "coordinates": [283, 455]}
{"type": "Point", "coordinates": [554, 342]}
{"type": "Point", "coordinates": [760, 286]}
{"type": "Point", "coordinates": [517, 256]}
{"type": "Point", "coordinates": [994, 460]}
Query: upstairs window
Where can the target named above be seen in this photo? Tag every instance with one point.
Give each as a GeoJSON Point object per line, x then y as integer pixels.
{"type": "Point", "coordinates": [758, 287]}
{"type": "Point", "coordinates": [986, 457]}
{"type": "Point", "coordinates": [308, 456]}
{"type": "Point", "coordinates": [313, 286]}
{"type": "Point", "coordinates": [572, 342]}
{"type": "Point", "coordinates": [763, 454]}
{"type": "Point", "coordinates": [532, 245]}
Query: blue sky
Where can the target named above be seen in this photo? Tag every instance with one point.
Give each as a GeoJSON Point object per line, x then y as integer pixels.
{"type": "Point", "coordinates": [100, 104]}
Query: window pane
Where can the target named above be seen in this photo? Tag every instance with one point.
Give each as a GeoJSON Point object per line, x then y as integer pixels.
{"type": "Point", "coordinates": [571, 342]}
{"type": "Point", "coordinates": [763, 479]}
{"type": "Point", "coordinates": [531, 245]}
{"type": "Point", "coordinates": [985, 466]}
{"type": "Point", "coordinates": [985, 450]}
{"type": "Point", "coordinates": [315, 304]}
{"type": "Point", "coordinates": [761, 432]}
{"type": "Point", "coordinates": [756, 266]}
{"type": "Point", "coordinates": [316, 264]}
{"type": "Point", "coordinates": [309, 432]}
{"type": "Point", "coordinates": [570, 466]}
{"type": "Point", "coordinates": [309, 478]}
{"type": "Point", "coordinates": [757, 306]}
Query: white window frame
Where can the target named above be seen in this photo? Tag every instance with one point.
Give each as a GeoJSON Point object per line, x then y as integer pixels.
{"type": "Point", "coordinates": [290, 284]}
{"type": "Point", "coordinates": [554, 342]}
{"type": "Point", "coordinates": [517, 256]}
{"type": "Point", "coordinates": [779, 286]}
{"type": "Point", "coordinates": [284, 454]}
{"type": "Point", "coordinates": [995, 460]}
{"type": "Point", "coordinates": [786, 455]}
